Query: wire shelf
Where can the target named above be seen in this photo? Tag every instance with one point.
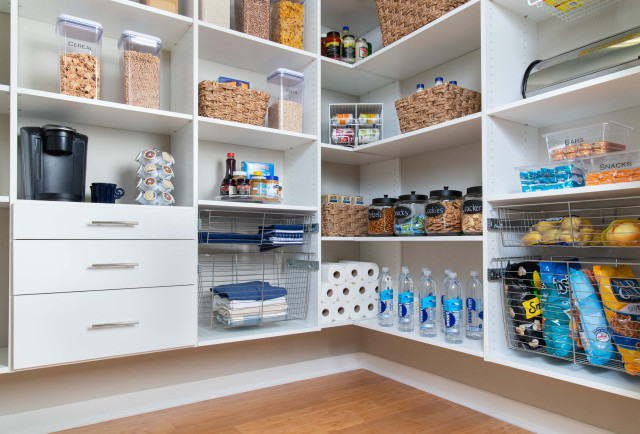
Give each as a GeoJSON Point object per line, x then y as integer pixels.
{"type": "Point", "coordinates": [593, 223]}
{"type": "Point", "coordinates": [354, 125]}
{"type": "Point", "coordinates": [289, 272]}
{"type": "Point", "coordinates": [567, 308]}
{"type": "Point", "coordinates": [570, 10]}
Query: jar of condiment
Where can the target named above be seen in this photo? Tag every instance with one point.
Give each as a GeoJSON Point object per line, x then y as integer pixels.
{"type": "Point", "coordinates": [239, 174]}
{"type": "Point", "coordinates": [362, 49]}
{"type": "Point", "coordinates": [348, 51]}
{"type": "Point", "coordinates": [323, 45]}
{"type": "Point", "coordinates": [332, 45]}
{"type": "Point", "coordinates": [444, 212]}
{"type": "Point", "coordinates": [472, 211]}
{"type": "Point", "coordinates": [243, 187]}
{"type": "Point", "coordinates": [409, 214]}
{"type": "Point", "coordinates": [228, 187]}
{"type": "Point", "coordinates": [258, 188]}
{"type": "Point", "coordinates": [272, 188]}
{"type": "Point", "coordinates": [381, 219]}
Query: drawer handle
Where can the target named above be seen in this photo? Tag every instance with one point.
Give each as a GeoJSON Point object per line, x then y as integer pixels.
{"type": "Point", "coordinates": [111, 325]}
{"type": "Point", "coordinates": [116, 265]}
{"type": "Point", "coordinates": [112, 223]}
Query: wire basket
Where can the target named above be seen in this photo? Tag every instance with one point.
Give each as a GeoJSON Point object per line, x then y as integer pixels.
{"type": "Point", "coordinates": [274, 288]}
{"type": "Point", "coordinates": [585, 311]}
{"type": "Point", "coordinates": [570, 10]}
{"type": "Point", "coordinates": [593, 223]}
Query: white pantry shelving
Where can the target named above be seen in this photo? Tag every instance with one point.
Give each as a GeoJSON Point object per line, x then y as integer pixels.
{"type": "Point", "coordinates": [248, 206]}
{"type": "Point", "coordinates": [207, 336]}
{"type": "Point", "coordinates": [430, 238]}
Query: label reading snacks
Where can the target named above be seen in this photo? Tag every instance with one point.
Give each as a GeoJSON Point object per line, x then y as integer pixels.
{"type": "Point", "coordinates": [401, 212]}
{"type": "Point", "coordinates": [435, 209]}
{"type": "Point", "coordinates": [472, 207]}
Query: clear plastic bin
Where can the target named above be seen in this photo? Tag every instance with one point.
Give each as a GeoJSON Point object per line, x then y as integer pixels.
{"type": "Point", "coordinates": [613, 168]}
{"type": "Point", "coordinates": [587, 141]}
{"type": "Point", "coordinates": [287, 22]}
{"type": "Point", "coordinates": [285, 106]}
{"type": "Point", "coordinates": [252, 17]}
{"type": "Point", "coordinates": [216, 12]}
{"type": "Point", "coordinates": [552, 176]}
{"type": "Point", "coordinates": [140, 68]}
{"type": "Point", "coordinates": [79, 46]}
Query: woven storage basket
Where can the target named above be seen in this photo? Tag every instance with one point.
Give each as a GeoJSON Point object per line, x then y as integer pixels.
{"type": "Point", "coordinates": [231, 103]}
{"type": "Point", "coordinates": [340, 220]}
{"type": "Point", "coordinates": [398, 18]}
{"type": "Point", "coordinates": [436, 105]}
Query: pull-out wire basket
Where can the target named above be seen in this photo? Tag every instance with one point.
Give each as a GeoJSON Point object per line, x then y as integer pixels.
{"type": "Point", "coordinates": [262, 288]}
{"type": "Point", "coordinates": [584, 311]}
{"type": "Point", "coordinates": [570, 10]}
{"type": "Point", "coordinates": [594, 223]}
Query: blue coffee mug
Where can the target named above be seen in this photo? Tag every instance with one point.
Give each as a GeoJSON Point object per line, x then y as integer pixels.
{"type": "Point", "coordinates": [102, 192]}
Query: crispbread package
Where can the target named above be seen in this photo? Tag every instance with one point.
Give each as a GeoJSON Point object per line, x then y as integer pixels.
{"type": "Point", "coordinates": [524, 303]}
{"type": "Point", "coordinates": [556, 307]}
{"type": "Point", "coordinates": [620, 293]}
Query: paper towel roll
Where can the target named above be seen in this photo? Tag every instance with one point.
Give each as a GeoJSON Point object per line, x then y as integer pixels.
{"type": "Point", "coordinates": [333, 272]}
{"type": "Point", "coordinates": [329, 293]}
{"type": "Point", "coordinates": [326, 315]}
{"type": "Point", "coordinates": [369, 271]}
{"type": "Point", "coordinates": [370, 308]}
{"type": "Point", "coordinates": [356, 310]}
{"type": "Point", "coordinates": [361, 291]}
{"type": "Point", "coordinates": [340, 312]}
{"type": "Point", "coordinates": [372, 290]}
{"type": "Point", "coordinates": [347, 292]}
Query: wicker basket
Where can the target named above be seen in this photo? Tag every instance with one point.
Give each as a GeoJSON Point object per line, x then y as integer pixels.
{"type": "Point", "coordinates": [398, 18]}
{"type": "Point", "coordinates": [436, 105]}
{"type": "Point", "coordinates": [340, 220]}
{"type": "Point", "coordinates": [231, 103]}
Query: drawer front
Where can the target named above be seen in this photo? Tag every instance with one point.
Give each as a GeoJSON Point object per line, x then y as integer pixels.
{"type": "Point", "coordinates": [42, 220]}
{"type": "Point", "coordinates": [52, 329]}
{"type": "Point", "coordinates": [47, 266]}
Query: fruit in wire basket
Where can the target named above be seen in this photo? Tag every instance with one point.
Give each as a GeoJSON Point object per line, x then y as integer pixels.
{"type": "Point", "coordinates": [622, 233]}
{"type": "Point", "coordinates": [531, 238]}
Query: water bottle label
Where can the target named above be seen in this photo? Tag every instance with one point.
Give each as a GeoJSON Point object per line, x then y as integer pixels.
{"type": "Point", "coordinates": [429, 301]}
{"type": "Point", "coordinates": [403, 311]}
{"type": "Point", "coordinates": [471, 307]}
{"type": "Point", "coordinates": [481, 315]}
{"type": "Point", "coordinates": [424, 315]}
{"type": "Point", "coordinates": [383, 306]}
{"type": "Point", "coordinates": [386, 294]}
{"type": "Point", "coordinates": [453, 305]}
{"type": "Point", "coordinates": [405, 297]}
{"type": "Point", "coordinates": [473, 329]}
{"type": "Point", "coordinates": [451, 319]}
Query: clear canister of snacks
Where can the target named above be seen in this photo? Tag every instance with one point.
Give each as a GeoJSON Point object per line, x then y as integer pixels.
{"type": "Point", "coordinates": [140, 68]}
{"type": "Point", "coordinates": [444, 212]}
{"type": "Point", "coordinates": [409, 214]}
{"type": "Point", "coordinates": [472, 211]}
{"type": "Point", "coordinates": [286, 88]}
{"type": "Point", "coordinates": [79, 46]}
{"type": "Point", "coordinates": [381, 217]}
{"type": "Point", "coordinates": [287, 22]}
{"type": "Point", "coordinates": [216, 12]}
{"type": "Point", "coordinates": [252, 17]}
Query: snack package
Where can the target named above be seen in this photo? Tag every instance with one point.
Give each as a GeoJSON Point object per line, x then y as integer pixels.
{"type": "Point", "coordinates": [594, 330]}
{"type": "Point", "coordinates": [620, 293]}
{"type": "Point", "coordinates": [555, 303]}
{"type": "Point", "coordinates": [522, 280]}
{"type": "Point", "coordinates": [555, 231]}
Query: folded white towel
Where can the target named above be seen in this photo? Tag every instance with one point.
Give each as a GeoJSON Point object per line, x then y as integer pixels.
{"type": "Point", "coordinates": [238, 304]}
{"type": "Point", "coordinates": [280, 308]}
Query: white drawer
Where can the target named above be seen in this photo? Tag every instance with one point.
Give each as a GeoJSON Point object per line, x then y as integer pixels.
{"type": "Point", "coordinates": [43, 220]}
{"type": "Point", "coordinates": [53, 329]}
{"type": "Point", "coordinates": [47, 266]}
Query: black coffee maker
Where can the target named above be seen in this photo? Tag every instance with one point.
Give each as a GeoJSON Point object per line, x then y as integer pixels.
{"type": "Point", "coordinates": [54, 163]}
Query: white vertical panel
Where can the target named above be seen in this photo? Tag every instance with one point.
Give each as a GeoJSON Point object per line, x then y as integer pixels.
{"type": "Point", "coordinates": [340, 179]}
{"type": "Point", "coordinates": [387, 96]}
{"type": "Point", "coordinates": [4, 278]}
{"type": "Point", "coordinates": [182, 150]}
{"type": "Point", "coordinates": [182, 68]}
{"type": "Point", "coordinates": [301, 176]}
{"type": "Point", "coordinates": [378, 179]}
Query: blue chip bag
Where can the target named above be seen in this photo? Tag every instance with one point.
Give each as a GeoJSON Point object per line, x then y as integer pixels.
{"type": "Point", "coordinates": [556, 307]}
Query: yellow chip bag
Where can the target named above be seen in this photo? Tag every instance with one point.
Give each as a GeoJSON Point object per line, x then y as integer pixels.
{"type": "Point", "coordinates": [620, 294]}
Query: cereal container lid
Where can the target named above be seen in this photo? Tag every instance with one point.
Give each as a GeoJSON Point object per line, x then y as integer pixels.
{"type": "Point", "coordinates": [140, 42]}
{"type": "Point", "coordinates": [445, 193]}
{"type": "Point", "coordinates": [78, 28]}
{"type": "Point", "coordinates": [414, 197]}
{"type": "Point", "coordinates": [288, 72]}
{"type": "Point", "coordinates": [386, 200]}
{"type": "Point", "coordinates": [474, 190]}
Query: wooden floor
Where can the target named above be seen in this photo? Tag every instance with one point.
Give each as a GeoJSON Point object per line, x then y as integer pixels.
{"type": "Point", "coordinates": [351, 402]}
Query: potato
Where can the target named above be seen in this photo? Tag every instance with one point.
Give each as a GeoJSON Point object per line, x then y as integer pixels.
{"type": "Point", "coordinates": [570, 223]}
{"type": "Point", "coordinates": [532, 238]}
{"type": "Point", "coordinates": [545, 226]}
{"type": "Point", "coordinates": [551, 236]}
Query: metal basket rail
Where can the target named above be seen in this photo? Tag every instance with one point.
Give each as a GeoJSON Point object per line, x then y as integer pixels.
{"type": "Point", "coordinates": [576, 9]}
{"type": "Point", "coordinates": [595, 223]}
{"type": "Point", "coordinates": [567, 314]}
{"type": "Point", "coordinates": [288, 271]}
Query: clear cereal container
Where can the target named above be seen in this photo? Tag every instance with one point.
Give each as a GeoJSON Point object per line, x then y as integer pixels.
{"type": "Point", "coordinates": [79, 46]}
{"type": "Point", "coordinates": [285, 106]}
{"type": "Point", "coordinates": [252, 17]}
{"type": "Point", "coordinates": [140, 69]}
{"type": "Point", "coordinates": [287, 22]}
{"type": "Point", "coordinates": [587, 141]}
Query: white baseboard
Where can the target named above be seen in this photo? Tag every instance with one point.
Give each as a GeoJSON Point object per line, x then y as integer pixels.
{"type": "Point", "coordinates": [130, 404]}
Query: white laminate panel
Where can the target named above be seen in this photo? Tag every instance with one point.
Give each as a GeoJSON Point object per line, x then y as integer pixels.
{"type": "Point", "coordinates": [52, 329]}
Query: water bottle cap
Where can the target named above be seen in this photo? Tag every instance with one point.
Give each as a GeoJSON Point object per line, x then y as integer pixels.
{"type": "Point", "coordinates": [427, 272]}
{"type": "Point", "coordinates": [474, 274]}
{"type": "Point", "coordinates": [439, 79]}
{"type": "Point", "coordinates": [447, 271]}
{"type": "Point", "coordinates": [405, 270]}
{"type": "Point", "coordinates": [345, 27]}
{"type": "Point", "coordinates": [453, 82]}
{"type": "Point", "coordinates": [453, 275]}
{"type": "Point", "coordinates": [420, 84]}
{"type": "Point", "coordinates": [385, 269]}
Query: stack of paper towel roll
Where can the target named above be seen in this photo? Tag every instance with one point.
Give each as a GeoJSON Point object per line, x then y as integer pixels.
{"type": "Point", "coordinates": [349, 291]}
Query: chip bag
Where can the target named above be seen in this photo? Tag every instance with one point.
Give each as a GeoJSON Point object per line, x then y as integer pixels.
{"type": "Point", "coordinates": [555, 303]}
{"type": "Point", "coordinates": [620, 293]}
{"type": "Point", "coordinates": [521, 280]}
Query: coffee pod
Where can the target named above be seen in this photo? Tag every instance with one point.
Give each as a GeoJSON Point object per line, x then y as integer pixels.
{"type": "Point", "coordinates": [165, 186]}
{"type": "Point", "coordinates": [147, 157]}
{"type": "Point", "coordinates": [165, 159]}
{"type": "Point", "coordinates": [165, 172]}
{"type": "Point", "coordinates": [147, 198]}
{"type": "Point", "coordinates": [165, 199]}
{"type": "Point", "coordinates": [147, 184]}
{"type": "Point", "coordinates": [149, 170]}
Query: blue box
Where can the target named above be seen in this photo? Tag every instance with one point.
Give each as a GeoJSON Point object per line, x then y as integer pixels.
{"type": "Point", "coordinates": [250, 167]}
{"type": "Point", "coordinates": [238, 83]}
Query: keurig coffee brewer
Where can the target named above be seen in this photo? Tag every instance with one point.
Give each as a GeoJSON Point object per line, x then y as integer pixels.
{"type": "Point", "coordinates": [54, 162]}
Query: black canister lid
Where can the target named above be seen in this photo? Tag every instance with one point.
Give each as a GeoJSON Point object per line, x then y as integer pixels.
{"type": "Point", "coordinates": [413, 196]}
{"type": "Point", "coordinates": [474, 190]}
{"type": "Point", "coordinates": [386, 200]}
{"type": "Point", "coordinates": [445, 193]}
{"type": "Point", "coordinates": [330, 34]}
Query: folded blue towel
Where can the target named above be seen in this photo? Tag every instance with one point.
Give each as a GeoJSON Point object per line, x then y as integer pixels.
{"type": "Point", "coordinates": [255, 290]}
{"type": "Point", "coordinates": [283, 228]}
{"type": "Point", "coordinates": [227, 238]}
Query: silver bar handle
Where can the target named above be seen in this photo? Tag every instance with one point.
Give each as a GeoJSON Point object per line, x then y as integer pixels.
{"type": "Point", "coordinates": [110, 325]}
{"type": "Point", "coordinates": [114, 265]}
{"type": "Point", "coordinates": [113, 223]}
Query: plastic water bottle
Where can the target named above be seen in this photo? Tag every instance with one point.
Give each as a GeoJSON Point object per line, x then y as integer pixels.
{"type": "Point", "coordinates": [428, 299]}
{"type": "Point", "coordinates": [405, 301]}
{"type": "Point", "coordinates": [453, 310]}
{"type": "Point", "coordinates": [441, 304]}
{"type": "Point", "coordinates": [439, 80]}
{"type": "Point", "coordinates": [474, 307]}
{"type": "Point", "coordinates": [453, 82]}
{"type": "Point", "coordinates": [385, 303]}
{"type": "Point", "coordinates": [419, 87]}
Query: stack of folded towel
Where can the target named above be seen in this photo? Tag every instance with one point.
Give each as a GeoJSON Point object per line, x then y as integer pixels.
{"type": "Point", "coordinates": [249, 303]}
{"type": "Point", "coordinates": [282, 235]}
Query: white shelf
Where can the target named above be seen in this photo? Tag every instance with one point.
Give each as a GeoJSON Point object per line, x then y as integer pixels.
{"type": "Point", "coordinates": [343, 155]}
{"type": "Point", "coordinates": [4, 99]}
{"type": "Point", "coordinates": [580, 193]}
{"type": "Point", "coordinates": [474, 348]}
{"type": "Point", "coordinates": [612, 92]}
{"type": "Point", "coordinates": [64, 108]}
{"type": "Point", "coordinates": [114, 15]}
{"type": "Point", "coordinates": [247, 206]}
{"type": "Point", "coordinates": [235, 133]}
{"type": "Point", "coordinates": [208, 336]}
{"type": "Point", "coordinates": [523, 9]}
{"type": "Point", "coordinates": [328, 325]}
{"type": "Point", "coordinates": [4, 201]}
{"type": "Point", "coordinates": [444, 39]}
{"type": "Point", "coordinates": [428, 238]}
{"type": "Point", "coordinates": [244, 51]}
{"type": "Point", "coordinates": [4, 360]}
